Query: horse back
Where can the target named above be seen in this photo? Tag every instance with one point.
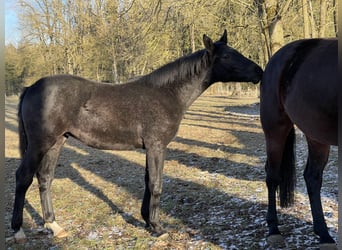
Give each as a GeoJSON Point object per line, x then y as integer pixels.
{"type": "Point", "coordinates": [100, 115]}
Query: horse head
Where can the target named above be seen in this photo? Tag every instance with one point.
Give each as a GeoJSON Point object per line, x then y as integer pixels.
{"type": "Point", "coordinates": [228, 65]}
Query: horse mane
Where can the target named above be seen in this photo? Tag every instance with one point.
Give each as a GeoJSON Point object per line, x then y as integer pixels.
{"type": "Point", "coordinates": [179, 70]}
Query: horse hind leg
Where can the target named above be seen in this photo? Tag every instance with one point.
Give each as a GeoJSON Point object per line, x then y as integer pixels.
{"type": "Point", "coordinates": [24, 177]}
{"type": "Point", "coordinates": [317, 159]}
{"type": "Point", "coordinates": [279, 173]}
{"type": "Point", "coordinates": [45, 177]}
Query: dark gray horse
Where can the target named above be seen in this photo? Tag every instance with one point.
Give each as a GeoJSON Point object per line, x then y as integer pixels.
{"type": "Point", "coordinates": [299, 86]}
{"type": "Point", "coordinates": [144, 113]}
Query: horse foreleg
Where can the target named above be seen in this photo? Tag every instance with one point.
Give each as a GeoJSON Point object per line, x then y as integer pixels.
{"type": "Point", "coordinates": [24, 177]}
{"type": "Point", "coordinates": [150, 209]}
{"type": "Point", "coordinates": [317, 159]}
{"type": "Point", "coordinates": [45, 177]}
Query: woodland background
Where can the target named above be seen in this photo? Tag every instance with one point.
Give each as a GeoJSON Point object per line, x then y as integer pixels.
{"type": "Point", "coordinates": [113, 41]}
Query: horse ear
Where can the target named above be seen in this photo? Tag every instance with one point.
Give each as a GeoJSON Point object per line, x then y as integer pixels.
{"type": "Point", "coordinates": [224, 37]}
{"type": "Point", "coordinates": [208, 43]}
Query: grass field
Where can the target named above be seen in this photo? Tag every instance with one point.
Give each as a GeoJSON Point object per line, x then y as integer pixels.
{"type": "Point", "coordinates": [214, 195]}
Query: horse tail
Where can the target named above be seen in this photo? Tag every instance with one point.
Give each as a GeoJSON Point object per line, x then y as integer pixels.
{"type": "Point", "coordinates": [288, 171]}
{"type": "Point", "coordinates": [21, 127]}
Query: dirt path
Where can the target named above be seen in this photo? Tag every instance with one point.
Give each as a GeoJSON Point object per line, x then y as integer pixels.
{"type": "Point", "coordinates": [214, 195]}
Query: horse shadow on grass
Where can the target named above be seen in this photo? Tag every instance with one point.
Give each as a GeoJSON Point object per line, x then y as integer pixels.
{"type": "Point", "coordinates": [212, 215]}
{"type": "Point", "coordinates": [200, 116]}
{"type": "Point", "coordinates": [215, 216]}
{"type": "Point", "coordinates": [253, 148]}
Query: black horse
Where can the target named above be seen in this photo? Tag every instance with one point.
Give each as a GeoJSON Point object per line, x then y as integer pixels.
{"type": "Point", "coordinates": [144, 113]}
{"type": "Point", "coordinates": [299, 86]}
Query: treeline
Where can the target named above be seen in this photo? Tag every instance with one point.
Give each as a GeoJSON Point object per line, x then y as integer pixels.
{"type": "Point", "coordinates": [113, 41]}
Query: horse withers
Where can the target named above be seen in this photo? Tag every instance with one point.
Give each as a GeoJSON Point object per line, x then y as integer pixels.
{"type": "Point", "coordinates": [143, 113]}
{"type": "Point", "coordinates": [299, 86]}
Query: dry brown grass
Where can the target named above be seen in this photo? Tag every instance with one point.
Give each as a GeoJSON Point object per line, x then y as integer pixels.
{"type": "Point", "coordinates": [214, 195]}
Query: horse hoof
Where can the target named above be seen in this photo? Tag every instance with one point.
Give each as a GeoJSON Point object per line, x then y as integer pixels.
{"type": "Point", "coordinates": [157, 230]}
{"type": "Point", "coordinates": [20, 236]}
{"type": "Point", "coordinates": [57, 230]}
{"type": "Point", "coordinates": [328, 246]}
{"type": "Point", "coordinates": [61, 234]}
{"type": "Point", "coordinates": [164, 237]}
{"type": "Point", "coordinates": [276, 240]}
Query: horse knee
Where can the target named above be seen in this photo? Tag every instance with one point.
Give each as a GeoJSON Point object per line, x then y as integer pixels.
{"type": "Point", "coordinates": [155, 189]}
{"type": "Point", "coordinates": [44, 182]}
{"type": "Point", "coordinates": [26, 171]}
{"type": "Point", "coordinates": [43, 187]}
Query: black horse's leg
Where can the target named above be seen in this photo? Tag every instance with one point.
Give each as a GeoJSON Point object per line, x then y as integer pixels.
{"type": "Point", "coordinates": [317, 159]}
{"type": "Point", "coordinates": [276, 140]}
{"type": "Point", "coordinates": [24, 177]}
{"type": "Point", "coordinates": [272, 168]}
{"type": "Point", "coordinates": [145, 207]}
{"type": "Point", "coordinates": [153, 188]}
{"type": "Point", "coordinates": [45, 177]}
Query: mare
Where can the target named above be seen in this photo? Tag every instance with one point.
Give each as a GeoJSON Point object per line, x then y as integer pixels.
{"type": "Point", "coordinates": [299, 86]}
{"type": "Point", "coordinates": [143, 113]}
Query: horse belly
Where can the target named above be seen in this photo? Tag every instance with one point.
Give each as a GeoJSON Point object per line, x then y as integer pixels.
{"type": "Point", "coordinates": [107, 135]}
{"type": "Point", "coordinates": [108, 141]}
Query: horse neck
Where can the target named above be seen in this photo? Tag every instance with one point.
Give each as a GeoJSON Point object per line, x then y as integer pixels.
{"type": "Point", "coordinates": [186, 78]}
{"type": "Point", "coordinates": [191, 90]}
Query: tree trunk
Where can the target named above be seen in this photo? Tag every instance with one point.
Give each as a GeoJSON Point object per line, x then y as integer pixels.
{"type": "Point", "coordinates": [323, 15]}
{"type": "Point", "coordinates": [335, 18]}
{"type": "Point", "coordinates": [306, 26]}
{"type": "Point", "coordinates": [312, 21]}
{"type": "Point", "coordinates": [114, 65]}
{"type": "Point", "coordinates": [264, 29]}
{"type": "Point", "coordinates": [192, 37]}
{"type": "Point", "coordinates": [271, 24]}
{"type": "Point", "coordinates": [275, 25]}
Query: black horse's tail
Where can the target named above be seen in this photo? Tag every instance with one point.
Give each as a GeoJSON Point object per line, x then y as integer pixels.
{"type": "Point", "coordinates": [21, 128]}
{"type": "Point", "coordinates": [288, 171]}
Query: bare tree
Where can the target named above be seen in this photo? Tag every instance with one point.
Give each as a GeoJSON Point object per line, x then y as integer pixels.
{"type": "Point", "coordinates": [313, 25]}
{"type": "Point", "coordinates": [323, 15]}
{"type": "Point", "coordinates": [271, 13]}
{"type": "Point", "coordinates": [114, 40]}
{"type": "Point", "coordinates": [306, 22]}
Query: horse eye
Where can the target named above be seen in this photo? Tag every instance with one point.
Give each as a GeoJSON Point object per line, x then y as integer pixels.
{"type": "Point", "coordinates": [226, 56]}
